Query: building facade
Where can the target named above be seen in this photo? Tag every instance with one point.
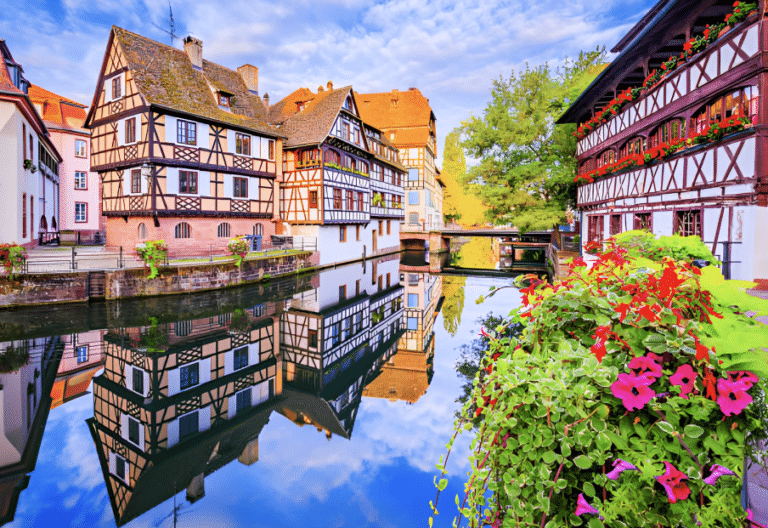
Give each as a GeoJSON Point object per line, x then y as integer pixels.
{"type": "Point", "coordinates": [675, 134]}
{"type": "Point", "coordinates": [407, 121]}
{"type": "Point", "coordinates": [29, 174]}
{"type": "Point", "coordinates": [182, 147]}
{"type": "Point", "coordinates": [342, 180]}
{"type": "Point", "coordinates": [79, 189]}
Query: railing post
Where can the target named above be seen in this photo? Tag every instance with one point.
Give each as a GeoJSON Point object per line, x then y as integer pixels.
{"type": "Point", "coordinates": [74, 264]}
{"type": "Point", "coordinates": [210, 253]}
{"type": "Point", "coordinates": [120, 262]}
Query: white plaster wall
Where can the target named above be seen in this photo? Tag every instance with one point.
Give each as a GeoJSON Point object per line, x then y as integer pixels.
{"type": "Point", "coordinates": [760, 243]}
{"type": "Point", "coordinates": [663, 223]}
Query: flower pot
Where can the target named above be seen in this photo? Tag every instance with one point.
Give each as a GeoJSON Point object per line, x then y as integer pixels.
{"type": "Point", "coordinates": [723, 31]}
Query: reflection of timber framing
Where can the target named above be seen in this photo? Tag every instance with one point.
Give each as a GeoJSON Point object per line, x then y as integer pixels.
{"type": "Point", "coordinates": [163, 420]}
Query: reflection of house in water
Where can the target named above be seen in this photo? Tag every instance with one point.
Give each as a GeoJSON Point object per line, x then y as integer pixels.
{"type": "Point", "coordinates": [27, 372]}
{"type": "Point", "coordinates": [334, 338]}
{"type": "Point", "coordinates": [408, 373]}
{"type": "Point", "coordinates": [81, 358]}
{"type": "Point", "coordinates": [178, 401]}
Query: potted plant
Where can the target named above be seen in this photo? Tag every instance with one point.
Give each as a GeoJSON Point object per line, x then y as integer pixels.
{"type": "Point", "coordinates": [239, 247]}
{"type": "Point", "coordinates": [153, 253]}
{"type": "Point", "coordinates": [13, 258]}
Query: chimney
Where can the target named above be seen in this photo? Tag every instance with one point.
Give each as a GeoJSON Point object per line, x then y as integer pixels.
{"type": "Point", "coordinates": [329, 86]}
{"type": "Point", "coordinates": [320, 89]}
{"type": "Point", "coordinates": [250, 75]}
{"type": "Point", "coordinates": [194, 49]}
{"type": "Point", "coordinates": [266, 100]}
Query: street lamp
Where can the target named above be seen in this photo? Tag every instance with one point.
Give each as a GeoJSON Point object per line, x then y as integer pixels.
{"type": "Point", "coordinates": [146, 171]}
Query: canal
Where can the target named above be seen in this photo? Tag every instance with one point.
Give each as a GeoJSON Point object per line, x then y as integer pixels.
{"type": "Point", "coordinates": [319, 400]}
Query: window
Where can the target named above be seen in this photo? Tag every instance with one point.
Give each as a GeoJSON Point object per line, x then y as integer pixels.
{"type": "Point", "coordinates": [313, 338]}
{"type": "Point", "coordinates": [313, 199]}
{"type": "Point", "coordinates": [595, 228]}
{"type": "Point", "coordinates": [24, 215]}
{"type": "Point", "coordinates": [357, 287]}
{"type": "Point", "coordinates": [240, 187]}
{"type": "Point", "coordinates": [223, 99]}
{"type": "Point", "coordinates": [376, 172]}
{"type": "Point", "coordinates": [633, 146]}
{"type": "Point", "coordinates": [643, 221]}
{"type": "Point", "coordinates": [356, 136]}
{"type": "Point", "coordinates": [309, 157]}
{"type": "Point", "coordinates": [359, 201]}
{"type": "Point", "coordinates": [189, 375]}
{"type": "Point", "coordinates": [271, 145]}
{"type": "Point", "coordinates": [672, 129]}
{"type": "Point", "coordinates": [342, 233]}
{"type": "Point", "coordinates": [413, 218]}
{"type": "Point", "coordinates": [81, 181]}
{"type": "Point", "coordinates": [413, 323]}
{"type": "Point", "coordinates": [350, 201]}
{"type": "Point", "coordinates": [258, 229]}
{"type": "Point", "coordinates": [182, 230]}
{"type": "Point", "coordinates": [389, 280]}
{"type": "Point", "coordinates": [688, 223]}
{"type": "Point", "coordinates": [188, 425]}
{"type": "Point", "coordinates": [357, 233]}
{"type": "Point", "coordinates": [389, 227]}
{"type": "Point", "coordinates": [80, 148]}
{"type": "Point", "coordinates": [606, 158]}
{"type": "Point", "coordinates": [345, 130]}
{"type": "Point", "coordinates": [81, 212]}
{"type": "Point", "coordinates": [142, 231]}
{"type": "Point", "coordinates": [342, 292]}
{"type": "Point", "coordinates": [243, 144]}
{"type": "Point", "coordinates": [413, 300]}
{"type": "Point", "coordinates": [138, 380]}
{"type": "Point", "coordinates": [413, 174]}
{"type": "Point", "coordinates": [381, 227]}
{"type": "Point", "coordinates": [121, 467]}
{"type": "Point", "coordinates": [82, 354]}
{"type": "Point", "coordinates": [224, 230]}
{"type": "Point", "coordinates": [136, 181]}
{"type": "Point", "coordinates": [615, 224]}
{"type": "Point", "coordinates": [243, 400]}
{"type": "Point", "coordinates": [186, 132]}
{"type": "Point", "coordinates": [337, 198]}
{"type": "Point", "coordinates": [117, 87]}
{"type": "Point", "coordinates": [741, 102]}
{"type": "Point", "coordinates": [187, 182]}
{"type": "Point", "coordinates": [133, 431]}
{"type": "Point", "coordinates": [130, 130]}
{"type": "Point", "coordinates": [335, 334]}
{"type": "Point", "coordinates": [241, 358]}
{"type": "Point", "coordinates": [413, 197]}
{"type": "Point", "coordinates": [331, 156]}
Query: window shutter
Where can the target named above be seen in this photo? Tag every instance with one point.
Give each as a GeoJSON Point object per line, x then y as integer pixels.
{"type": "Point", "coordinates": [172, 180]}
{"type": "Point", "coordinates": [204, 417]}
{"type": "Point", "coordinates": [121, 132]}
{"type": "Point", "coordinates": [204, 183]}
{"type": "Point", "coordinates": [231, 407]}
{"type": "Point", "coordinates": [231, 142]}
{"type": "Point", "coordinates": [173, 432]}
{"type": "Point", "coordinates": [170, 129]}
{"type": "Point", "coordinates": [253, 188]}
{"type": "Point", "coordinates": [228, 193]}
{"type": "Point", "coordinates": [205, 371]}
{"type": "Point", "coordinates": [229, 359]}
{"type": "Point", "coordinates": [173, 385]}
{"type": "Point", "coordinates": [253, 353]}
{"type": "Point", "coordinates": [124, 426]}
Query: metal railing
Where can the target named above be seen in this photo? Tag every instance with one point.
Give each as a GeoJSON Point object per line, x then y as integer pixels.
{"type": "Point", "coordinates": [81, 259]}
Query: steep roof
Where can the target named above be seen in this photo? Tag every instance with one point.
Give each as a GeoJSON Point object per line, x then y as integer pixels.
{"type": "Point", "coordinates": [6, 84]}
{"type": "Point", "coordinates": [410, 109]}
{"type": "Point", "coordinates": [57, 111]}
{"type": "Point", "coordinates": [165, 78]}
{"type": "Point", "coordinates": [313, 124]}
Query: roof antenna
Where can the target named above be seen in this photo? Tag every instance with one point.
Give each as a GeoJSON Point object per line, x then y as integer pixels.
{"type": "Point", "coordinates": [173, 27]}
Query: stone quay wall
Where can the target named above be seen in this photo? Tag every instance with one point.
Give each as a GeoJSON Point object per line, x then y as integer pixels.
{"type": "Point", "coordinates": [32, 289]}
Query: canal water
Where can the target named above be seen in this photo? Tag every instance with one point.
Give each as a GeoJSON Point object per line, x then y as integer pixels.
{"type": "Point", "coordinates": [323, 400]}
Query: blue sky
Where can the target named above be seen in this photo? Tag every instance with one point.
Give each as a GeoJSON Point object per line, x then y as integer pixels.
{"type": "Point", "coordinates": [450, 50]}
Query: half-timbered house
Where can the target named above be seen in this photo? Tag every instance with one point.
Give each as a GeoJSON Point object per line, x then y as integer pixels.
{"type": "Point", "coordinates": [342, 181]}
{"type": "Point", "coordinates": [29, 172]}
{"type": "Point", "coordinates": [334, 338]}
{"type": "Point", "coordinates": [182, 145]}
{"type": "Point", "coordinates": [406, 119]}
{"type": "Point", "coordinates": [673, 135]}
{"type": "Point", "coordinates": [177, 401]}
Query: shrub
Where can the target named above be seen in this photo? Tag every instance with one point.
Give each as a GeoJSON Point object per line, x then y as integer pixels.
{"type": "Point", "coordinates": [640, 243]}
{"type": "Point", "coordinates": [153, 253]}
{"type": "Point", "coordinates": [13, 257]}
{"type": "Point", "coordinates": [613, 408]}
{"type": "Point", "coordinates": [239, 247]}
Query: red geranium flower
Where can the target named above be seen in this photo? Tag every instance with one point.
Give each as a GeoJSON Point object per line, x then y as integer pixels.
{"type": "Point", "coordinates": [672, 482]}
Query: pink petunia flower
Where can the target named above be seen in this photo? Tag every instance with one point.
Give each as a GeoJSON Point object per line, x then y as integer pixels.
{"type": "Point", "coordinates": [743, 376]}
{"type": "Point", "coordinates": [673, 485]}
{"type": "Point", "coordinates": [732, 396]}
{"type": "Point", "coordinates": [717, 472]}
{"type": "Point", "coordinates": [619, 466]}
{"type": "Point", "coordinates": [633, 391]}
{"type": "Point", "coordinates": [645, 366]}
{"type": "Point", "coordinates": [684, 377]}
{"type": "Point", "coordinates": [582, 506]}
{"type": "Point", "coordinates": [751, 522]}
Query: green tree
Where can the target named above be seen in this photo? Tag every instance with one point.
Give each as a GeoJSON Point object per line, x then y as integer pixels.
{"type": "Point", "coordinates": [459, 204]}
{"type": "Point", "coordinates": [526, 162]}
{"type": "Point", "coordinates": [453, 291]}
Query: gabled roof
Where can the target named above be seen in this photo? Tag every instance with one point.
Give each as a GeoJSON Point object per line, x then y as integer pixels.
{"type": "Point", "coordinates": [58, 112]}
{"type": "Point", "coordinates": [409, 109]}
{"type": "Point", "coordinates": [313, 124]}
{"type": "Point", "coordinates": [165, 78]}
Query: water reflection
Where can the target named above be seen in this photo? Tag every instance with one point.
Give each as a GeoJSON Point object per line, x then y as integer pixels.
{"type": "Point", "coordinates": [184, 388]}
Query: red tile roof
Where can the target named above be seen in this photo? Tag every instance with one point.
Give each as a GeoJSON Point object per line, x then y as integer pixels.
{"type": "Point", "coordinates": [6, 84]}
{"type": "Point", "coordinates": [395, 109]}
{"type": "Point", "coordinates": [57, 111]}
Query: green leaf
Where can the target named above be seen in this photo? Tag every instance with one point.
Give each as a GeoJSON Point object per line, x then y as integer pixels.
{"type": "Point", "coordinates": [583, 462]}
{"type": "Point", "coordinates": [665, 426]}
{"type": "Point", "coordinates": [549, 457]}
{"type": "Point", "coordinates": [442, 484]}
{"type": "Point", "coordinates": [693, 431]}
{"type": "Point", "coordinates": [589, 489]}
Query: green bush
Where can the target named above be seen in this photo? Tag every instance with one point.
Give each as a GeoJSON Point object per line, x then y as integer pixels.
{"type": "Point", "coordinates": [642, 243]}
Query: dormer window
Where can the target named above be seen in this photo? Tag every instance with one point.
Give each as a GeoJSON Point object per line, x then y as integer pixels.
{"type": "Point", "coordinates": [300, 106]}
{"type": "Point", "coordinates": [672, 129]}
{"type": "Point", "coordinates": [223, 99]}
{"type": "Point", "coordinates": [633, 146]}
{"type": "Point", "coordinates": [606, 158]}
{"type": "Point", "coordinates": [348, 103]}
{"type": "Point", "coordinates": [741, 102]}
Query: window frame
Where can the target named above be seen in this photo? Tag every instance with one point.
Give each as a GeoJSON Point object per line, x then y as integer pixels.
{"type": "Point", "coordinates": [337, 198]}
{"type": "Point", "coordinates": [81, 358]}
{"type": "Point", "coordinates": [182, 230]}
{"type": "Point", "coordinates": [187, 419]}
{"type": "Point", "coordinates": [313, 199]}
{"type": "Point", "coordinates": [639, 223]}
{"type": "Point", "coordinates": [242, 352]}
{"type": "Point", "coordinates": [186, 132]}
{"type": "Point", "coordinates": [192, 376]}
{"type": "Point", "coordinates": [242, 144]}
{"type": "Point", "coordinates": [136, 181]}
{"type": "Point", "coordinates": [81, 181]}
{"type": "Point", "coordinates": [239, 187]}
{"type": "Point", "coordinates": [130, 131]}
{"type": "Point", "coordinates": [81, 153]}
{"type": "Point", "coordinates": [84, 207]}
{"type": "Point", "coordinates": [342, 233]}
{"type": "Point", "coordinates": [117, 87]}
{"type": "Point", "coordinates": [190, 178]}
{"type": "Point", "coordinates": [698, 221]}
{"type": "Point", "coordinates": [223, 230]}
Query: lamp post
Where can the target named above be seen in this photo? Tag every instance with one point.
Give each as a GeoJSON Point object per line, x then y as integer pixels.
{"type": "Point", "coordinates": [146, 172]}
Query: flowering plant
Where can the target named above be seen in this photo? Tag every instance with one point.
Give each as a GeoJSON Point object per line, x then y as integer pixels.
{"type": "Point", "coordinates": [12, 257]}
{"type": "Point", "coordinates": [153, 253]}
{"type": "Point", "coordinates": [693, 46]}
{"type": "Point", "coordinates": [613, 401]}
{"type": "Point", "coordinates": [239, 247]}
